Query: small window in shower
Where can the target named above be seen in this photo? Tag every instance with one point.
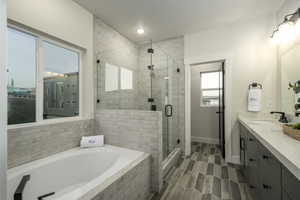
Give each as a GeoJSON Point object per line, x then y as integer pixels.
{"type": "Point", "coordinates": [111, 77]}
{"type": "Point", "coordinates": [211, 88]}
{"type": "Point", "coordinates": [126, 79]}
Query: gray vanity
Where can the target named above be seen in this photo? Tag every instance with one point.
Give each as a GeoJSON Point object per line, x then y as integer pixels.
{"type": "Point", "coordinates": [270, 161]}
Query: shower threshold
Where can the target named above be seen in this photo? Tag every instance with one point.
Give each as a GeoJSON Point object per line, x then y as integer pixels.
{"type": "Point", "coordinates": [171, 161]}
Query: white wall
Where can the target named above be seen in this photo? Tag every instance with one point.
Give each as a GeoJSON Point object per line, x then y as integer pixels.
{"type": "Point", "coordinates": [64, 20]}
{"type": "Point", "coordinates": [253, 59]}
{"type": "Point", "coordinates": [3, 100]}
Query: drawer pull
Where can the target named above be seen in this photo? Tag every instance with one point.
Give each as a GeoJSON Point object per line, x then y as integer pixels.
{"type": "Point", "coordinates": [251, 139]}
{"type": "Point", "coordinates": [251, 159]}
{"type": "Point", "coordinates": [267, 187]}
{"type": "Point", "coordinates": [252, 187]}
{"type": "Point", "coordinates": [265, 157]}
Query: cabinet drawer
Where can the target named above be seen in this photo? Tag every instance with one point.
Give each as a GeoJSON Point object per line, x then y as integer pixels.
{"type": "Point", "coordinates": [285, 196]}
{"type": "Point", "coordinates": [252, 148]}
{"type": "Point", "coordinates": [290, 184]}
{"type": "Point", "coordinates": [270, 175]}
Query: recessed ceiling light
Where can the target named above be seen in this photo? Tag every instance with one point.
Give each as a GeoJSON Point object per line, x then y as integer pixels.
{"type": "Point", "coordinates": [140, 31]}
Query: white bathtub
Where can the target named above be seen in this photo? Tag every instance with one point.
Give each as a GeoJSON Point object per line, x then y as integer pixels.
{"type": "Point", "coordinates": [74, 174]}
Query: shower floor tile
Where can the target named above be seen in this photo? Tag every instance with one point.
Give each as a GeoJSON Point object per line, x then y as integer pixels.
{"type": "Point", "coordinates": [204, 176]}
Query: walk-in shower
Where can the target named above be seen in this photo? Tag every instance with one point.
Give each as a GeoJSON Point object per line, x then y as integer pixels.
{"type": "Point", "coordinates": [154, 83]}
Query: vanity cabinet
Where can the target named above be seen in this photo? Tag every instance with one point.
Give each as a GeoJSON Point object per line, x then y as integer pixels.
{"type": "Point", "coordinates": [261, 169]}
{"type": "Point", "coordinates": [290, 185]}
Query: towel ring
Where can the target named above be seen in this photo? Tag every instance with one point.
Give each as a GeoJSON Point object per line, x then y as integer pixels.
{"type": "Point", "coordinates": [255, 85]}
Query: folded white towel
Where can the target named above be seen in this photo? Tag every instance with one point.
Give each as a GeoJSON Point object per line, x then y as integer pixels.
{"type": "Point", "coordinates": [92, 141]}
{"type": "Point", "coordinates": [254, 100]}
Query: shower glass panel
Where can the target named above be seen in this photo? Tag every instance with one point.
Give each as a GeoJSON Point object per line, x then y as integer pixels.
{"type": "Point", "coordinates": [154, 84]}
{"type": "Point", "coordinates": [165, 92]}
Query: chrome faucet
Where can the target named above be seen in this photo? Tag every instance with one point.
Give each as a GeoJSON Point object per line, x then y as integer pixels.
{"type": "Point", "coordinates": [283, 118]}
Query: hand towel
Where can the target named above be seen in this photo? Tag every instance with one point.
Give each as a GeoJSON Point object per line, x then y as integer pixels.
{"type": "Point", "coordinates": [92, 141]}
{"type": "Point", "coordinates": [254, 100]}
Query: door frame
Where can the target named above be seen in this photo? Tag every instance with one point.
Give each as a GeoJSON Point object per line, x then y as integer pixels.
{"type": "Point", "coordinates": [228, 111]}
{"type": "Point", "coordinates": [3, 100]}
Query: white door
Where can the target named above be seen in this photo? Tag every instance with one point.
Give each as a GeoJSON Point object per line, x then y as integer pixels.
{"type": "Point", "coordinates": [3, 100]}
{"type": "Point", "coordinates": [205, 89]}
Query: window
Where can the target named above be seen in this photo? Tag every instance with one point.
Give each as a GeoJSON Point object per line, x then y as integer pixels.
{"type": "Point", "coordinates": [111, 77]}
{"type": "Point", "coordinates": [32, 58]}
{"type": "Point", "coordinates": [126, 79]}
{"type": "Point", "coordinates": [61, 81]}
{"type": "Point", "coordinates": [21, 77]}
{"type": "Point", "coordinates": [113, 74]}
{"type": "Point", "coordinates": [211, 88]}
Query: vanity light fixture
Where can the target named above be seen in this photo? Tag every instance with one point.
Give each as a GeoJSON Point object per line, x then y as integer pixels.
{"type": "Point", "coordinates": [288, 29]}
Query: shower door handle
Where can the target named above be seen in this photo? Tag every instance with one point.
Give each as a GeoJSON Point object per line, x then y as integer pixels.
{"type": "Point", "coordinates": [168, 110]}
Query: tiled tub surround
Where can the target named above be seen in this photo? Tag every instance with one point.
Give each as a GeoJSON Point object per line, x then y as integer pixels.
{"type": "Point", "coordinates": [135, 184]}
{"type": "Point", "coordinates": [30, 143]}
{"type": "Point", "coordinates": [137, 130]}
{"type": "Point", "coordinates": [108, 173]}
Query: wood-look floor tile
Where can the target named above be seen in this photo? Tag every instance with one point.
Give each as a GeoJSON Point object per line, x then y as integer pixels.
{"type": "Point", "coordinates": [208, 184]}
{"type": "Point", "coordinates": [194, 156]}
{"type": "Point", "coordinates": [211, 158]}
{"type": "Point", "coordinates": [210, 169]}
{"type": "Point", "coordinates": [190, 166]}
{"type": "Point", "coordinates": [218, 160]}
{"type": "Point", "coordinates": [235, 191]}
{"type": "Point", "coordinates": [217, 187]}
{"type": "Point", "coordinates": [206, 197]}
{"type": "Point", "coordinates": [205, 176]}
{"type": "Point", "coordinates": [232, 174]}
{"type": "Point", "coordinates": [217, 171]}
{"type": "Point", "coordinates": [200, 182]}
{"type": "Point", "coordinates": [224, 172]}
{"type": "Point", "coordinates": [225, 189]}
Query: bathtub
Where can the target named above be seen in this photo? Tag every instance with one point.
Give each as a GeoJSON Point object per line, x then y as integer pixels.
{"type": "Point", "coordinates": [74, 174]}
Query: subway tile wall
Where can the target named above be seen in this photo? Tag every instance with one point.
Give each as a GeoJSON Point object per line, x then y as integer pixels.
{"type": "Point", "coordinates": [134, 129]}
{"type": "Point", "coordinates": [113, 48]}
{"type": "Point", "coordinates": [32, 143]}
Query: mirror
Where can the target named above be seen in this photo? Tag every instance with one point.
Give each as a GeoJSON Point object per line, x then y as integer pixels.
{"type": "Point", "coordinates": [290, 76]}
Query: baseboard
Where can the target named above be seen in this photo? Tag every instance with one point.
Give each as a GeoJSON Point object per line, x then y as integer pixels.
{"type": "Point", "coordinates": [205, 140]}
{"type": "Point", "coordinates": [235, 160]}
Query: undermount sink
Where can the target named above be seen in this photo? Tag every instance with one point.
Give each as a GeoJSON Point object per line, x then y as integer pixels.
{"type": "Point", "coordinates": [263, 121]}
{"type": "Point", "coordinates": [274, 127]}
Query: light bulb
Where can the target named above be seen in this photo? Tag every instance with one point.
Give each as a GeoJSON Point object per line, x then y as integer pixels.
{"type": "Point", "coordinates": [140, 31]}
{"type": "Point", "coordinates": [286, 32]}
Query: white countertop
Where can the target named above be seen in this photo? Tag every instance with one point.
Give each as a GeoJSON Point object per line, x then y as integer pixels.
{"type": "Point", "coordinates": [283, 147]}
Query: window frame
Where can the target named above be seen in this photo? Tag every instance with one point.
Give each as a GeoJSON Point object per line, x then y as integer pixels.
{"type": "Point", "coordinates": [40, 38]}
{"type": "Point", "coordinates": [208, 89]}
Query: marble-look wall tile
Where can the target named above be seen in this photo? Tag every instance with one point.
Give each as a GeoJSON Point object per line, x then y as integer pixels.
{"type": "Point", "coordinates": [32, 143]}
{"type": "Point", "coordinates": [134, 185]}
{"type": "Point", "coordinates": [137, 130]}
{"type": "Point", "coordinates": [113, 48]}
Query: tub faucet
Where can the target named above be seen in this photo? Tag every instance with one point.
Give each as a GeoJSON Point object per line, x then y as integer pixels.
{"type": "Point", "coordinates": [283, 118]}
{"type": "Point", "coordinates": [19, 191]}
